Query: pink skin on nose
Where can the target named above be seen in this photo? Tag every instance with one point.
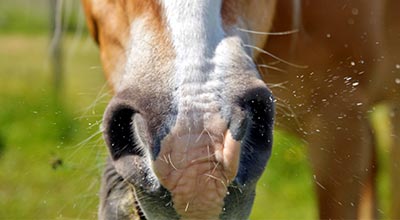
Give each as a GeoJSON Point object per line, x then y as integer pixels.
{"type": "Point", "coordinates": [196, 165]}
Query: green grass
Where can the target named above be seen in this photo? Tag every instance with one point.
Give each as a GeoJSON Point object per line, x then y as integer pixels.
{"type": "Point", "coordinates": [285, 191]}
{"type": "Point", "coordinates": [39, 130]}
{"type": "Point", "coordinates": [32, 16]}
{"type": "Point", "coordinates": [51, 154]}
{"type": "Point", "coordinates": [18, 16]}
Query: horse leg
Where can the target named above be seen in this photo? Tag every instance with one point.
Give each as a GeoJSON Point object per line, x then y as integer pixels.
{"type": "Point", "coordinates": [368, 202]}
{"type": "Point", "coordinates": [395, 163]}
{"type": "Point", "coordinates": [341, 154]}
{"type": "Point", "coordinates": [392, 72]}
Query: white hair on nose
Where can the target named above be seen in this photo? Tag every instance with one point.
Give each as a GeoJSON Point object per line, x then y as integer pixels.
{"type": "Point", "coordinates": [195, 28]}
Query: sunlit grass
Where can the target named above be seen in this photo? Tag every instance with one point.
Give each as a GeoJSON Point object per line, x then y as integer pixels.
{"type": "Point", "coordinates": [32, 17]}
{"type": "Point", "coordinates": [285, 191]}
{"type": "Point", "coordinates": [50, 169]}
{"type": "Point", "coordinates": [381, 122]}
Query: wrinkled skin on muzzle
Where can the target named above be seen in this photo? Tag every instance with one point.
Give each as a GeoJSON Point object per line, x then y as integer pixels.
{"type": "Point", "coordinates": [201, 169]}
{"type": "Point", "coordinates": [189, 129]}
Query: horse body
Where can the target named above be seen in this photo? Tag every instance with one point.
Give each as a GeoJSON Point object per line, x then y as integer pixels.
{"type": "Point", "coordinates": [345, 46]}
{"type": "Point", "coordinates": [189, 127]}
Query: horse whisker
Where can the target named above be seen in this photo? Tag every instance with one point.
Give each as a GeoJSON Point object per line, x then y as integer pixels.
{"type": "Point", "coordinates": [272, 68]}
{"type": "Point", "coordinates": [170, 161]}
{"type": "Point", "coordinates": [216, 178]}
{"type": "Point", "coordinates": [275, 57]}
{"type": "Point", "coordinates": [187, 206]}
{"type": "Point", "coordinates": [198, 139]}
{"type": "Point", "coordinates": [164, 159]}
{"type": "Point", "coordinates": [211, 138]}
{"type": "Point", "coordinates": [269, 33]}
{"type": "Point", "coordinates": [203, 158]}
{"type": "Point", "coordinates": [278, 85]}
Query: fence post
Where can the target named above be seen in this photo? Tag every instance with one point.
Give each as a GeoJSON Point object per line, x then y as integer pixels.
{"type": "Point", "coordinates": [56, 44]}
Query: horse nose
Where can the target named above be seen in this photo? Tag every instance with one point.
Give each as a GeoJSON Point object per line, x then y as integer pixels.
{"type": "Point", "coordinates": [117, 129]}
{"type": "Point", "coordinates": [196, 156]}
{"type": "Point", "coordinates": [135, 123]}
{"type": "Point", "coordinates": [247, 119]}
{"type": "Point", "coordinates": [252, 124]}
{"type": "Point", "coordinates": [130, 136]}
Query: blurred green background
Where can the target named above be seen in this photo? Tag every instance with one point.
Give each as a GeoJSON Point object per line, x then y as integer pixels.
{"type": "Point", "coordinates": [51, 151]}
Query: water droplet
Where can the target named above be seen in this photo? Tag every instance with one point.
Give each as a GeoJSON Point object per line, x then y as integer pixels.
{"type": "Point", "coordinates": [359, 104]}
{"type": "Point", "coordinates": [355, 83]}
{"type": "Point", "coordinates": [347, 78]}
{"type": "Point", "coordinates": [397, 66]}
{"type": "Point", "coordinates": [397, 80]}
{"type": "Point", "coordinates": [352, 63]}
{"type": "Point", "coordinates": [354, 11]}
{"type": "Point", "coordinates": [328, 35]}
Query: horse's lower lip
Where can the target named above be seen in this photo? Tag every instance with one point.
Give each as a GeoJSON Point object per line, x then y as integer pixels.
{"type": "Point", "coordinates": [197, 167]}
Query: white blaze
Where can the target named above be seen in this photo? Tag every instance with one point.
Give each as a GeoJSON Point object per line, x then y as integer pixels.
{"type": "Point", "coordinates": [195, 28]}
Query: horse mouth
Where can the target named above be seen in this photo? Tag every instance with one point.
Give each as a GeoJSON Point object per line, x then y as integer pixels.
{"type": "Point", "coordinates": [197, 164]}
{"type": "Point", "coordinates": [197, 167]}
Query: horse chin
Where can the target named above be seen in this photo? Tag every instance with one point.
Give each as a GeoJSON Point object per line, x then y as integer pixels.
{"type": "Point", "coordinates": [213, 199]}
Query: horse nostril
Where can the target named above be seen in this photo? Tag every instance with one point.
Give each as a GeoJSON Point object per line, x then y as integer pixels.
{"type": "Point", "coordinates": [118, 131]}
{"type": "Point", "coordinates": [258, 105]}
{"type": "Point", "coordinates": [253, 116]}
